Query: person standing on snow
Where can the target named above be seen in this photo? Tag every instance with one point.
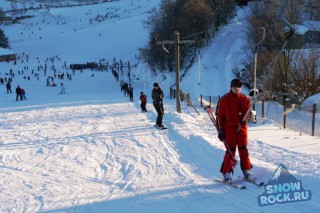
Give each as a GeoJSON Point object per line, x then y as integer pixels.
{"type": "Point", "coordinates": [231, 109]}
{"type": "Point", "coordinates": [143, 100]}
{"type": "Point", "coordinates": [130, 92]}
{"type": "Point", "coordinates": [48, 81]}
{"type": "Point", "coordinates": [157, 97]}
{"type": "Point", "coordinates": [23, 94]}
{"type": "Point", "coordinates": [63, 89]}
{"type": "Point", "coordinates": [18, 92]}
{"type": "Point", "coordinates": [8, 85]}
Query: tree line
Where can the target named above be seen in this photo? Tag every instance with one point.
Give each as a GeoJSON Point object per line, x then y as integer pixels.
{"type": "Point", "coordinates": [293, 72]}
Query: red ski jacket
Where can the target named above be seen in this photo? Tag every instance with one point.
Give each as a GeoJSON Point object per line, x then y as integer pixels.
{"type": "Point", "coordinates": [231, 110]}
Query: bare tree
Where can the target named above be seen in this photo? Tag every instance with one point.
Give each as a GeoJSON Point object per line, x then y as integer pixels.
{"type": "Point", "coordinates": [305, 72]}
{"type": "Point", "coordinates": [312, 10]}
{"type": "Point", "coordinates": [274, 63]}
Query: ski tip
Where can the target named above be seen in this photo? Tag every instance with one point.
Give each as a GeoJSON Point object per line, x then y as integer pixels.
{"type": "Point", "coordinates": [231, 184]}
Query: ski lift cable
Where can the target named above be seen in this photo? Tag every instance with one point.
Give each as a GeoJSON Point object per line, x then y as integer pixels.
{"type": "Point", "coordinates": [231, 22]}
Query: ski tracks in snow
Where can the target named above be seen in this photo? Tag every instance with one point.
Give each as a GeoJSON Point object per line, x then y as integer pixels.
{"type": "Point", "coordinates": [68, 156]}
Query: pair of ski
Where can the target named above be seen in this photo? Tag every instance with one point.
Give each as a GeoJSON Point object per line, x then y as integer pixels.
{"type": "Point", "coordinates": [232, 159]}
{"type": "Point", "coordinates": [240, 186]}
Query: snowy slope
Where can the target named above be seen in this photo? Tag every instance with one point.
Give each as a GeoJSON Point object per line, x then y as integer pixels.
{"type": "Point", "coordinates": [91, 150]}
{"type": "Point", "coordinates": [217, 61]}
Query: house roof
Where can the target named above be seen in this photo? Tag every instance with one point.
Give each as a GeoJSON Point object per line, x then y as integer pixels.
{"type": "Point", "coordinates": [312, 25]}
{"type": "Point", "coordinates": [4, 51]}
{"type": "Point", "coordinates": [300, 29]}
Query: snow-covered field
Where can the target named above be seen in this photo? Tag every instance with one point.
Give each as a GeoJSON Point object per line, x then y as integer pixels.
{"type": "Point", "coordinates": [91, 150]}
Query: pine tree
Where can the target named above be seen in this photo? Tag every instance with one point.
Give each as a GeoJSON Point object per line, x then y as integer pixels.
{"type": "Point", "coordinates": [3, 40]}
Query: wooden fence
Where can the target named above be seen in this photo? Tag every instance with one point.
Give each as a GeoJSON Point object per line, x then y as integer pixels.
{"type": "Point", "coordinates": [305, 119]}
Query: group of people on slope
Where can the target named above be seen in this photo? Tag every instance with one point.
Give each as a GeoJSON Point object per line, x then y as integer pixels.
{"type": "Point", "coordinates": [127, 89]}
{"type": "Point", "coordinates": [21, 93]}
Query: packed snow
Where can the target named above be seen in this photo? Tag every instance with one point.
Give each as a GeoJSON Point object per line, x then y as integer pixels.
{"type": "Point", "coordinates": [91, 150]}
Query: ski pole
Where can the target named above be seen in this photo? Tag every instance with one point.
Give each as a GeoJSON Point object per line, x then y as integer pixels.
{"type": "Point", "coordinates": [233, 160]}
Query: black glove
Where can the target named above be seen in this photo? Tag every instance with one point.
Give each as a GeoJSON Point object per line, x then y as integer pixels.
{"type": "Point", "coordinates": [221, 135]}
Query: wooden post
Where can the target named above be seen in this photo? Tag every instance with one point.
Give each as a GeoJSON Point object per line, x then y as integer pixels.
{"type": "Point", "coordinates": [262, 110]}
{"type": "Point", "coordinates": [284, 109]}
{"type": "Point", "coordinates": [177, 52]}
{"type": "Point", "coordinates": [314, 111]}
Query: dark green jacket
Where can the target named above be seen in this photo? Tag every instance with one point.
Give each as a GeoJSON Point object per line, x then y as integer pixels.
{"type": "Point", "coordinates": [157, 97]}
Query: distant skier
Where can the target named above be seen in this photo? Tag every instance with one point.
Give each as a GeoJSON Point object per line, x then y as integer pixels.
{"type": "Point", "coordinates": [23, 94]}
{"type": "Point", "coordinates": [48, 82]}
{"type": "Point", "coordinates": [125, 88]}
{"type": "Point", "coordinates": [143, 102]}
{"type": "Point", "coordinates": [122, 85]}
{"type": "Point", "coordinates": [18, 93]}
{"type": "Point", "coordinates": [63, 89]}
{"type": "Point", "coordinates": [130, 92]}
{"type": "Point", "coordinates": [8, 85]}
{"type": "Point", "coordinates": [157, 97]}
{"type": "Point", "coordinates": [231, 109]}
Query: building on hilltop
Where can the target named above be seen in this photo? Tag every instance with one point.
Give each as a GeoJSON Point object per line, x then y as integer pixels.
{"type": "Point", "coordinates": [313, 34]}
{"type": "Point", "coordinates": [6, 20]}
{"type": "Point", "coordinates": [7, 55]}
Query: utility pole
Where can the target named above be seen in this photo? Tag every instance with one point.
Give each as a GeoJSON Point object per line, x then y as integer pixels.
{"type": "Point", "coordinates": [255, 64]}
{"type": "Point", "coordinates": [129, 74]}
{"type": "Point", "coordinates": [177, 51]}
{"type": "Point", "coordinates": [177, 43]}
{"type": "Point", "coordinates": [129, 70]}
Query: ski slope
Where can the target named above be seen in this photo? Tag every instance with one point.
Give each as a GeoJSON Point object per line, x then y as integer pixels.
{"type": "Point", "coordinates": [91, 150]}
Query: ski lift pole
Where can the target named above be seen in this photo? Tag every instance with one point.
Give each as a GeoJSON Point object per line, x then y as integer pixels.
{"type": "Point", "coordinates": [255, 59]}
{"type": "Point", "coordinates": [177, 42]}
{"type": "Point", "coordinates": [246, 116]}
{"type": "Point", "coordinates": [255, 62]}
{"type": "Point", "coordinates": [199, 69]}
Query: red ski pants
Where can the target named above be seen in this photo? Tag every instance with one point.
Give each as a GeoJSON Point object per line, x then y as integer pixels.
{"type": "Point", "coordinates": [236, 139]}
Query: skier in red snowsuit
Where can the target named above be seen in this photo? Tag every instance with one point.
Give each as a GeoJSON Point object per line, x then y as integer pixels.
{"type": "Point", "coordinates": [231, 109]}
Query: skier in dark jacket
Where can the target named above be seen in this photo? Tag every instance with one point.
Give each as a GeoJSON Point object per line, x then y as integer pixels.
{"type": "Point", "coordinates": [18, 92]}
{"type": "Point", "coordinates": [8, 85]}
{"type": "Point", "coordinates": [130, 92]}
{"type": "Point", "coordinates": [157, 97]}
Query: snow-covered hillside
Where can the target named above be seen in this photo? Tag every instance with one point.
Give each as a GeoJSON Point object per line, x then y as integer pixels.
{"type": "Point", "coordinates": [91, 150]}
